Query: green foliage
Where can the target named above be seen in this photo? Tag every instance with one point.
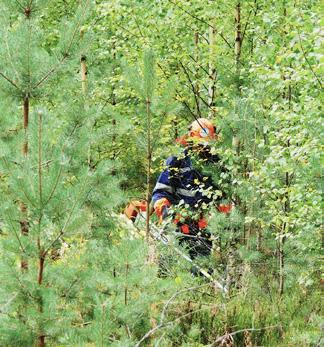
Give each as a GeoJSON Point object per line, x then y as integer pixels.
{"type": "Point", "coordinates": [87, 152]}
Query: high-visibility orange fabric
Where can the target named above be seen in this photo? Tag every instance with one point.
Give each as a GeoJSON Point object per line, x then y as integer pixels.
{"type": "Point", "coordinates": [185, 229]}
{"type": "Point", "coordinates": [202, 223]}
{"type": "Point", "coordinates": [225, 208]}
{"type": "Point", "coordinates": [183, 140]}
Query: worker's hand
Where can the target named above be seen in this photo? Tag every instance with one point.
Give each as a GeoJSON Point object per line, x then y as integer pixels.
{"type": "Point", "coordinates": [134, 208]}
{"type": "Point", "coordinates": [225, 208]}
{"type": "Point", "coordinates": [161, 208]}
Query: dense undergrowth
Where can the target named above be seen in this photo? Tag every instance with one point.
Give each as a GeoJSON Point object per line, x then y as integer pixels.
{"type": "Point", "coordinates": [93, 95]}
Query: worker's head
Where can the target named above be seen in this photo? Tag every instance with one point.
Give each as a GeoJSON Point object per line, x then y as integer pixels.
{"type": "Point", "coordinates": [201, 134]}
{"type": "Point", "coordinates": [202, 131]}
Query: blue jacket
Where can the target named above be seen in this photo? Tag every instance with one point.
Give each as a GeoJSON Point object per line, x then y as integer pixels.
{"type": "Point", "coordinates": [180, 181]}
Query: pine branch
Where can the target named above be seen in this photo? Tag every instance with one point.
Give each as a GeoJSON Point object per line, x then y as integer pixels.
{"type": "Point", "coordinates": [9, 80]}
{"type": "Point", "coordinates": [23, 287]}
{"type": "Point", "coordinates": [65, 53]}
{"type": "Point", "coordinates": [26, 195]}
{"type": "Point", "coordinates": [157, 133]}
{"type": "Point", "coordinates": [60, 171]}
{"type": "Point", "coordinates": [67, 222]}
{"type": "Point", "coordinates": [16, 235]}
{"type": "Point", "coordinates": [10, 56]}
{"type": "Point", "coordinates": [54, 187]}
{"type": "Point", "coordinates": [2, 309]}
{"type": "Point", "coordinates": [20, 5]}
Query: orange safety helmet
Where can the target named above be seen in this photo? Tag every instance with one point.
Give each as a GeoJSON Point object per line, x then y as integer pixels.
{"type": "Point", "coordinates": [201, 131]}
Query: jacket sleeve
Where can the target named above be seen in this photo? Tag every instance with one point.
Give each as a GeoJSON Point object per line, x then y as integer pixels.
{"type": "Point", "coordinates": [164, 187]}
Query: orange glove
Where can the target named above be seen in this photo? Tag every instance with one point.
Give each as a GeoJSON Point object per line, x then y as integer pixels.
{"type": "Point", "coordinates": [225, 208]}
{"type": "Point", "coordinates": [202, 223]}
{"type": "Point", "coordinates": [133, 208]}
{"type": "Point", "coordinates": [161, 208]}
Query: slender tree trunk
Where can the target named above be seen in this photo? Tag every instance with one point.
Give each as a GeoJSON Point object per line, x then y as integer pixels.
{"type": "Point", "coordinates": [126, 287]}
{"type": "Point", "coordinates": [150, 241]}
{"type": "Point", "coordinates": [281, 256]}
{"type": "Point", "coordinates": [24, 225]}
{"type": "Point", "coordinates": [238, 39]}
{"type": "Point", "coordinates": [40, 159]}
{"type": "Point", "coordinates": [212, 70]}
{"type": "Point", "coordinates": [149, 164]}
{"type": "Point", "coordinates": [237, 51]}
{"type": "Point", "coordinates": [42, 255]}
{"type": "Point", "coordinates": [41, 341]}
{"type": "Point", "coordinates": [232, 264]}
{"type": "Point", "coordinates": [26, 121]}
{"type": "Point", "coordinates": [84, 74]}
{"type": "Point", "coordinates": [196, 83]}
{"type": "Point", "coordinates": [230, 270]}
{"type": "Point", "coordinates": [282, 237]}
{"type": "Point", "coordinates": [259, 239]}
{"type": "Point", "coordinates": [236, 142]}
{"type": "Point", "coordinates": [175, 129]}
{"type": "Point", "coordinates": [113, 102]}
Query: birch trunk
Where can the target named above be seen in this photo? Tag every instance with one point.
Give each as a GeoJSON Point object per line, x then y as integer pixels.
{"type": "Point", "coordinates": [281, 252]}
{"type": "Point", "coordinates": [238, 38]}
{"type": "Point", "coordinates": [212, 70]}
{"type": "Point", "coordinates": [236, 142]}
{"type": "Point", "coordinates": [196, 82]}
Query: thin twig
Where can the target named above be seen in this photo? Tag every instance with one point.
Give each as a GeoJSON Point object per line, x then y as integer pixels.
{"type": "Point", "coordinates": [202, 21]}
{"type": "Point", "coordinates": [163, 313]}
{"type": "Point", "coordinates": [9, 80]}
{"type": "Point", "coordinates": [20, 5]}
{"type": "Point", "coordinates": [7, 303]}
{"type": "Point", "coordinates": [62, 231]}
{"type": "Point", "coordinates": [245, 26]}
{"type": "Point", "coordinates": [200, 66]}
{"type": "Point", "coordinates": [192, 87]}
{"type": "Point", "coordinates": [65, 53]}
{"type": "Point", "coordinates": [161, 326]}
{"type": "Point", "coordinates": [307, 61]}
{"type": "Point", "coordinates": [221, 338]}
